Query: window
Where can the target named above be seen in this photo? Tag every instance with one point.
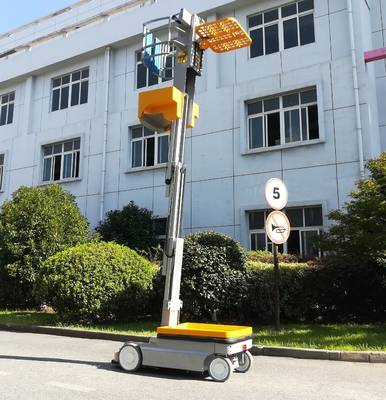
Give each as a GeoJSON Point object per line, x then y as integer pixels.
{"type": "Point", "coordinates": [70, 90]}
{"type": "Point", "coordinates": [148, 148]}
{"type": "Point", "coordinates": [61, 161]}
{"type": "Point", "coordinates": [145, 77]}
{"type": "Point", "coordinates": [282, 28]}
{"type": "Point", "coordinates": [7, 103]}
{"type": "Point", "coordinates": [1, 170]}
{"type": "Point", "coordinates": [305, 223]}
{"type": "Point", "coordinates": [285, 119]}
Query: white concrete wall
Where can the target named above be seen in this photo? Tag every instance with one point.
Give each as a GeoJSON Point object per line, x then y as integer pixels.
{"type": "Point", "coordinates": [224, 179]}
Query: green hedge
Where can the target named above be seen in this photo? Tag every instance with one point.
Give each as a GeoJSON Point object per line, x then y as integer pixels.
{"type": "Point", "coordinates": [296, 293]}
{"type": "Point", "coordinates": [332, 290]}
{"type": "Point", "coordinates": [96, 281]}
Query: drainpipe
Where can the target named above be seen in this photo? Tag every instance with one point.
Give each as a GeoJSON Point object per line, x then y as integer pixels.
{"type": "Point", "coordinates": [356, 89]}
{"type": "Point", "coordinates": [105, 126]}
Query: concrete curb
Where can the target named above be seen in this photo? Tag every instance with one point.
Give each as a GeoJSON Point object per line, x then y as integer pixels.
{"type": "Point", "coordinates": [312, 354]}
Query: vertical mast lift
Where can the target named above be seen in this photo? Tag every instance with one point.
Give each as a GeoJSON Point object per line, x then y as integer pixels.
{"type": "Point", "coordinates": [219, 349]}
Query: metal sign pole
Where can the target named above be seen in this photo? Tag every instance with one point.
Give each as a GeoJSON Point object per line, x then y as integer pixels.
{"type": "Point", "coordinates": [277, 281]}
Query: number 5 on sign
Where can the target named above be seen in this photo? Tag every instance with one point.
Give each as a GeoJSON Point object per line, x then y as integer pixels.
{"type": "Point", "coordinates": [276, 194]}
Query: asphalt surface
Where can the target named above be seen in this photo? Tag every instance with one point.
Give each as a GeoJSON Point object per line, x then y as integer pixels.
{"type": "Point", "coordinates": [45, 367]}
{"type": "Point", "coordinates": [256, 350]}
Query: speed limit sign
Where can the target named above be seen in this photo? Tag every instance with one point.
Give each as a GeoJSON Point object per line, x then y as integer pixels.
{"type": "Point", "coordinates": [276, 194]}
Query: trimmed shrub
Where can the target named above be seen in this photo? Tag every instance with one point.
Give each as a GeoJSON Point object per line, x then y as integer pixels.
{"type": "Point", "coordinates": [213, 277]}
{"type": "Point", "coordinates": [34, 225]}
{"type": "Point", "coordinates": [133, 226]}
{"type": "Point", "coordinates": [95, 282]}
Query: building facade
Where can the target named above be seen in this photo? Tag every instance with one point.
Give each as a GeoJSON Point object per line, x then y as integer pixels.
{"type": "Point", "coordinates": [299, 104]}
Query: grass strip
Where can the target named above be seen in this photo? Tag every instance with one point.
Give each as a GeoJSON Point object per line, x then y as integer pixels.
{"type": "Point", "coordinates": [343, 337]}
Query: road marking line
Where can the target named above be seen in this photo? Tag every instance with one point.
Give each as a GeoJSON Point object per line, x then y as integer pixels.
{"type": "Point", "coordinates": [5, 373]}
{"type": "Point", "coordinates": [76, 388]}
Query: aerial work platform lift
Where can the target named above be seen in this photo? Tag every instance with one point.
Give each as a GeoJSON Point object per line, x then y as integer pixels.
{"type": "Point", "coordinates": [176, 53]}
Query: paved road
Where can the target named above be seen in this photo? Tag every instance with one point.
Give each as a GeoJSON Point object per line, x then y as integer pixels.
{"type": "Point", "coordinates": [40, 367]}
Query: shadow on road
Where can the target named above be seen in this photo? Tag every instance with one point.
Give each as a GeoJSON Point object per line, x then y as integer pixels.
{"type": "Point", "coordinates": [163, 373]}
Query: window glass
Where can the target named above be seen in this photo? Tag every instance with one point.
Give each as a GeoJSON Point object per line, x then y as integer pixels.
{"type": "Point", "coordinates": [68, 146]}
{"type": "Point", "coordinates": [257, 46]}
{"type": "Point", "coordinates": [270, 16]}
{"type": "Point", "coordinates": [256, 220]}
{"type": "Point", "coordinates": [141, 76]}
{"type": "Point", "coordinates": [295, 216]}
{"type": "Point", "coordinates": [290, 28]}
{"type": "Point", "coordinates": [255, 20]}
{"type": "Point", "coordinates": [313, 216]}
{"type": "Point", "coordinates": [84, 92]}
{"type": "Point", "coordinates": [291, 100]}
{"type": "Point", "coordinates": [76, 76]}
{"type": "Point", "coordinates": [10, 113]}
{"type": "Point", "coordinates": [75, 94]}
{"type": "Point", "coordinates": [47, 169]}
{"type": "Point", "coordinates": [56, 82]}
{"type": "Point", "coordinates": [255, 108]}
{"type": "Point", "coordinates": [292, 126]}
{"type": "Point", "coordinates": [67, 164]}
{"type": "Point", "coordinates": [306, 28]}
{"type": "Point", "coordinates": [3, 115]}
{"type": "Point", "coordinates": [258, 241]}
{"type": "Point", "coordinates": [271, 104]}
{"type": "Point", "coordinates": [64, 98]}
{"type": "Point", "coordinates": [65, 79]}
{"type": "Point", "coordinates": [308, 238]}
{"type": "Point", "coordinates": [163, 149]}
{"type": "Point", "coordinates": [313, 125]}
{"type": "Point", "coordinates": [85, 73]}
{"type": "Point", "coordinates": [306, 5]}
{"type": "Point", "coordinates": [271, 39]}
{"type": "Point", "coordinates": [136, 155]}
{"type": "Point", "coordinates": [308, 96]}
{"type": "Point", "coordinates": [288, 10]}
{"type": "Point", "coordinates": [256, 133]}
{"type": "Point", "coordinates": [136, 133]}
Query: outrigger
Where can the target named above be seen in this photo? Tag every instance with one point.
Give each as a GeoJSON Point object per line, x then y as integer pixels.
{"type": "Point", "coordinates": [176, 53]}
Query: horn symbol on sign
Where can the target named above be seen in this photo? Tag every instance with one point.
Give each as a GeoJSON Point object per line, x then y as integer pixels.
{"type": "Point", "coordinates": [278, 229]}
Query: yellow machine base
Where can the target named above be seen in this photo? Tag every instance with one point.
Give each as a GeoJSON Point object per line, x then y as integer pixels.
{"type": "Point", "coordinates": [206, 330]}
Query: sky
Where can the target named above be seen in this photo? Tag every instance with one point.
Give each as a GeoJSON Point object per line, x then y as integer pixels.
{"type": "Point", "coordinates": [15, 13]}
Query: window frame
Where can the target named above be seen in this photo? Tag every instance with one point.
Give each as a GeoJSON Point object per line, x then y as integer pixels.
{"type": "Point", "coordinates": [61, 101]}
{"type": "Point", "coordinates": [283, 248]}
{"type": "Point", "coordinates": [7, 108]}
{"type": "Point", "coordinates": [280, 22]}
{"type": "Point", "coordinates": [146, 135]}
{"type": "Point", "coordinates": [282, 111]}
{"type": "Point", "coordinates": [50, 167]}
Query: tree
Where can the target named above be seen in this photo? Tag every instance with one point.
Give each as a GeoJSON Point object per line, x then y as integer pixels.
{"type": "Point", "coordinates": [360, 231]}
{"type": "Point", "coordinates": [34, 225]}
{"type": "Point", "coordinates": [133, 226]}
